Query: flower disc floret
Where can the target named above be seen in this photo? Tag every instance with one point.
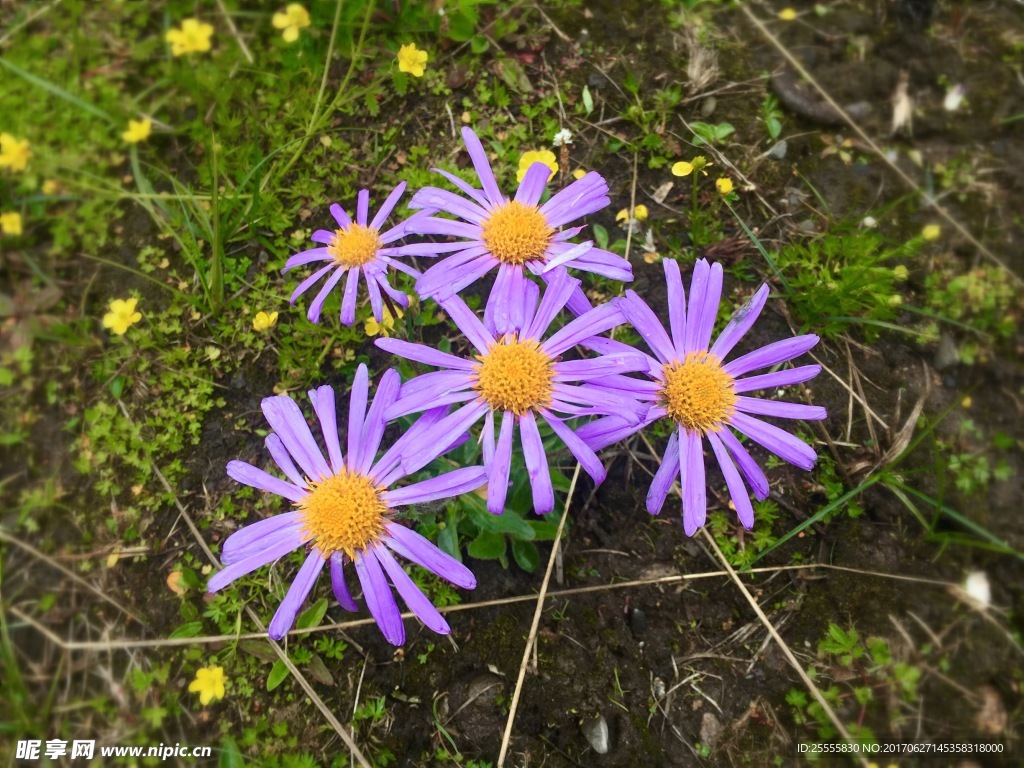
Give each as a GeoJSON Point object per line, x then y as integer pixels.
{"type": "Point", "coordinates": [697, 393]}
{"type": "Point", "coordinates": [354, 246]}
{"type": "Point", "coordinates": [343, 513]}
{"type": "Point", "coordinates": [515, 376]}
{"type": "Point", "coordinates": [517, 233]}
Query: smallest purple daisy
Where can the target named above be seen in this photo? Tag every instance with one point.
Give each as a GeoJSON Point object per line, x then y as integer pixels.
{"type": "Point", "coordinates": [356, 246]}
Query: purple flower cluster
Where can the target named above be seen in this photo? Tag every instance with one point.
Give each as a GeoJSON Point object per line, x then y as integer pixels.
{"type": "Point", "coordinates": [517, 371]}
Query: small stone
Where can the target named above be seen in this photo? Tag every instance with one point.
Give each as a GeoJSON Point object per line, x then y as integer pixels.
{"type": "Point", "coordinates": [778, 150]}
{"type": "Point", "coordinates": [707, 107]}
{"type": "Point", "coordinates": [946, 356]}
{"type": "Point", "coordinates": [637, 622]}
{"type": "Point", "coordinates": [710, 730]}
{"type": "Point", "coordinates": [596, 731]}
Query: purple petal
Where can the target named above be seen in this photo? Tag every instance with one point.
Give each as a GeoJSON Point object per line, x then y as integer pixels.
{"type": "Point", "coordinates": [444, 486]}
{"type": "Point", "coordinates": [348, 301]}
{"type": "Point", "coordinates": [431, 390]}
{"type": "Point", "coordinates": [432, 249]}
{"type": "Point", "coordinates": [676, 306]}
{"type": "Point", "coordinates": [740, 323]}
{"type": "Point", "coordinates": [536, 464]}
{"type": "Point", "coordinates": [376, 419]}
{"type": "Point", "coordinates": [597, 320]}
{"type": "Point", "coordinates": [466, 276]}
{"type": "Point", "coordinates": [708, 301]}
{"type": "Point", "coordinates": [559, 288]}
{"type": "Point", "coordinates": [287, 421]}
{"type": "Point", "coordinates": [581, 198]}
{"type": "Point", "coordinates": [284, 462]}
{"type": "Point", "coordinates": [474, 194]}
{"type": "Point", "coordinates": [578, 303]}
{"type": "Point", "coordinates": [499, 314]}
{"type": "Point", "coordinates": [778, 441]}
{"type": "Point", "coordinates": [498, 471]}
{"type": "Point", "coordinates": [780, 410]}
{"type": "Point", "coordinates": [323, 236]}
{"type": "Point", "coordinates": [733, 481]}
{"type": "Point", "coordinates": [468, 323]}
{"type": "Point", "coordinates": [341, 593]}
{"type": "Point", "coordinates": [438, 277]}
{"type": "Point", "coordinates": [778, 379]}
{"type": "Point", "coordinates": [421, 353]}
{"type": "Point", "coordinates": [415, 548]}
{"type": "Point", "coordinates": [559, 257]}
{"type": "Point", "coordinates": [482, 167]}
{"type": "Point", "coordinates": [285, 543]}
{"type": "Point", "coordinates": [532, 186]}
{"type": "Point", "coordinates": [252, 476]}
{"type": "Point", "coordinates": [255, 537]}
{"type": "Point", "coordinates": [284, 618]}
{"type": "Point", "coordinates": [414, 599]}
{"type": "Point", "coordinates": [344, 222]}
{"type": "Point", "coordinates": [309, 281]}
{"type": "Point", "coordinates": [751, 470]}
{"type": "Point", "coordinates": [388, 467]}
{"type": "Point", "coordinates": [605, 264]}
{"type": "Point", "coordinates": [362, 207]}
{"type": "Point", "coordinates": [772, 354]}
{"type": "Point", "coordinates": [376, 303]}
{"type": "Point", "coordinates": [388, 207]}
{"type": "Point", "coordinates": [665, 476]}
{"type": "Point", "coordinates": [327, 413]}
{"type": "Point", "coordinates": [452, 204]}
{"type": "Point", "coordinates": [646, 323]}
{"type": "Point", "coordinates": [377, 593]}
{"type": "Point", "coordinates": [602, 400]}
{"type": "Point", "coordinates": [601, 433]}
{"type": "Point", "coordinates": [442, 437]}
{"type": "Point", "coordinates": [691, 460]}
{"type": "Point", "coordinates": [356, 414]}
{"type": "Point", "coordinates": [580, 450]}
{"type": "Point", "coordinates": [306, 257]}
{"type": "Point", "coordinates": [596, 368]}
{"type": "Point", "coordinates": [447, 228]}
{"type": "Point", "coordinates": [313, 314]}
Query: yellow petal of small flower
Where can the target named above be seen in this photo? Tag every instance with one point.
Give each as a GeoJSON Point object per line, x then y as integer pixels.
{"type": "Point", "coordinates": [900, 272]}
{"type": "Point", "coordinates": [122, 315]}
{"type": "Point", "coordinates": [578, 174]}
{"type": "Point", "coordinates": [14, 153]}
{"type": "Point", "coordinates": [264, 321]}
{"type": "Point", "coordinates": [723, 185]}
{"type": "Point", "coordinates": [787, 14]}
{"type": "Point", "coordinates": [682, 168]}
{"type": "Point", "coordinates": [291, 20]}
{"type": "Point", "coordinates": [622, 215]}
{"type": "Point", "coordinates": [50, 187]}
{"type": "Point", "coordinates": [966, 402]}
{"type": "Point", "coordinates": [640, 213]}
{"type": "Point", "coordinates": [138, 130]}
{"type": "Point", "coordinates": [192, 37]}
{"type": "Point", "coordinates": [10, 223]}
{"type": "Point", "coordinates": [209, 684]}
{"type": "Point", "coordinates": [545, 156]}
{"type": "Point", "coordinates": [412, 60]}
{"type": "Point", "coordinates": [931, 232]}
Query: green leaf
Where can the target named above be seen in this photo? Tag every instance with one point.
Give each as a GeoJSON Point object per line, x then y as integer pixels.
{"type": "Point", "coordinates": [261, 649]}
{"type": "Point", "coordinates": [318, 671]}
{"type": "Point", "coordinates": [588, 102]}
{"type": "Point", "coordinates": [312, 616]}
{"type": "Point", "coordinates": [117, 386]}
{"type": "Point", "coordinates": [277, 675]}
{"type": "Point", "coordinates": [543, 530]}
{"type": "Point", "coordinates": [191, 629]}
{"type": "Point", "coordinates": [487, 546]}
{"type": "Point", "coordinates": [600, 236]}
{"type": "Point", "coordinates": [230, 756]}
{"type": "Point", "coordinates": [462, 24]}
{"type": "Point", "coordinates": [448, 541]}
{"type": "Point", "coordinates": [479, 44]}
{"type": "Point", "coordinates": [526, 555]}
{"type": "Point", "coordinates": [508, 523]}
{"type": "Point", "coordinates": [514, 76]}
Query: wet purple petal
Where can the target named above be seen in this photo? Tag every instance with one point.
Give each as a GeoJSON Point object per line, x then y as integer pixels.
{"type": "Point", "coordinates": [482, 167]}
{"type": "Point", "coordinates": [388, 207]}
{"type": "Point", "coordinates": [415, 548]}
{"type": "Point", "coordinates": [255, 537]}
{"type": "Point", "coordinates": [782, 378]}
{"type": "Point", "coordinates": [453, 483]}
{"type": "Point", "coordinates": [532, 186]}
{"type": "Point", "coordinates": [281, 546]}
{"type": "Point", "coordinates": [356, 415]}
{"type": "Point", "coordinates": [781, 410]}
{"type": "Point", "coordinates": [377, 593]}
{"type": "Point", "coordinates": [287, 421]}
{"type": "Point", "coordinates": [284, 618]}
{"type": "Point", "coordinates": [313, 314]}
{"type": "Point", "coordinates": [416, 600]}
{"type": "Point", "coordinates": [646, 323]}
{"type": "Point", "coordinates": [752, 472]}
{"type": "Point", "coordinates": [691, 460]}
{"type": "Point", "coordinates": [306, 284]}
{"type": "Point", "coordinates": [772, 354]}
{"type": "Point", "coordinates": [580, 450]}
{"type": "Point", "coordinates": [778, 441]}
{"type": "Point", "coordinates": [498, 472]}
{"type": "Point", "coordinates": [252, 476]}
{"type": "Point", "coordinates": [341, 593]}
{"type": "Point", "coordinates": [733, 481]}
{"type": "Point", "coordinates": [306, 257]}
{"type": "Point", "coordinates": [348, 301]}
{"type": "Point", "coordinates": [536, 464]}
{"type": "Point", "coordinates": [740, 323]}
{"type": "Point", "coordinates": [665, 476]}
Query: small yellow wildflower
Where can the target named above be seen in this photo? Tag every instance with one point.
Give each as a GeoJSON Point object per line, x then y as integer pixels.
{"type": "Point", "coordinates": [412, 60]}
{"type": "Point", "coordinates": [967, 402]}
{"type": "Point", "coordinates": [545, 156]}
{"type": "Point", "coordinates": [640, 213]}
{"type": "Point", "coordinates": [683, 168]}
{"type": "Point", "coordinates": [622, 215]}
{"type": "Point", "coordinates": [209, 684]}
{"type": "Point", "coordinates": [10, 223]}
{"type": "Point", "coordinates": [931, 232]}
{"type": "Point", "coordinates": [578, 174]}
{"type": "Point", "coordinates": [723, 185]}
{"type": "Point", "coordinates": [900, 272]}
{"type": "Point", "coordinates": [14, 153]}
{"type": "Point", "coordinates": [264, 321]}
{"type": "Point", "coordinates": [193, 37]}
{"type": "Point", "coordinates": [291, 20]}
{"type": "Point", "coordinates": [51, 187]}
{"type": "Point", "coordinates": [895, 300]}
{"type": "Point", "coordinates": [122, 316]}
{"type": "Point", "coordinates": [787, 14]}
{"type": "Point", "coordinates": [138, 130]}
{"type": "Point", "coordinates": [386, 324]}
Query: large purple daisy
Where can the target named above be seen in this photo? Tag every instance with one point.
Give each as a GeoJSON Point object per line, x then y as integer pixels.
{"type": "Point", "coordinates": [518, 378]}
{"type": "Point", "coordinates": [512, 235]}
{"type": "Point", "coordinates": [354, 247]}
{"type": "Point", "coordinates": [693, 386]}
{"type": "Point", "coordinates": [344, 510]}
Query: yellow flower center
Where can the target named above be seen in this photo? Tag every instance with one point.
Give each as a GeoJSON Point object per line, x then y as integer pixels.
{"type": "Point", "coordinates": [515, 376]}
{"type": "Point", "coordinates": [697, 393]}
{"type": "Point", "coordinates": [517, 233]}
{"type": "Point", "coordinates": [354, 246]}
{"type": "Point", "coordinates": [343, 513]}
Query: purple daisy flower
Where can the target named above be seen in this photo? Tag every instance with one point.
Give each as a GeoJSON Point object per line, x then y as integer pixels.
{"type": "Point", "coordinates": [693, 386]}
{"type": "Point", "coordinates": [512, 235]}
{"type": "Point", "coordinates": [518, 378]}
{"type": "Point", "coordinates": [346, 514]}
{"type": "Point", "coordinates": [356, 246]}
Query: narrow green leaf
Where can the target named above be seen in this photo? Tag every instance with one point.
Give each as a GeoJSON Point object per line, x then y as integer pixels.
{"type": "Point", "coordinates": [277, 675]}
